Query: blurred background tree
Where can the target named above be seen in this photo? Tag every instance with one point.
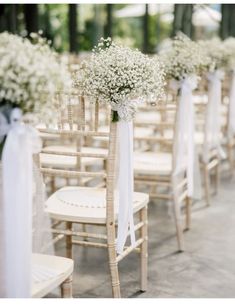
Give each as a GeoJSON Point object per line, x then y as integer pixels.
{"type": "Point", "coordinates": [228, 20]}
{"type": "Point", "coordinates": [77, 27]}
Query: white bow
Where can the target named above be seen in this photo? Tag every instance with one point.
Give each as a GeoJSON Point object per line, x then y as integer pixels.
{"type": "Point", "coordinates": [17, 175]}
{"type": "Point", "coordinates": [184, 147]}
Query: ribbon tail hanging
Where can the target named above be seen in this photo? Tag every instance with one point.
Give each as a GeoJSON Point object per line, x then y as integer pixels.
{"type": "Point", "coordinates": [17, 178]}
{"type": "Point", "coordinates": [231, 121]}
{"type": "Point", "coordinates": [125, 185]}
{"type": "Point", "coordinates": [17, 197]}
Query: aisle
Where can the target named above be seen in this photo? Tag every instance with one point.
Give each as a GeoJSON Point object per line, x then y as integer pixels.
{"type": "Point", "coordinates": [206, 269]}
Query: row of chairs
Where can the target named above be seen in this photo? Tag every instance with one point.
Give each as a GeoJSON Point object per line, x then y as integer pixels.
{"type": "Point", "coordinates": [78, 162]}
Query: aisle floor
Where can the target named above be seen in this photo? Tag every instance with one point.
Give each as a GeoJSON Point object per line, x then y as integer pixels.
{"type": "Point", "coordinates": [205, 270]}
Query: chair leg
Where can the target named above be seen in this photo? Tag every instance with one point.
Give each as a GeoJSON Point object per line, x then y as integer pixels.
{"type": "Point", "coordinates": [207, 184]}
{"type": "Point", "coordinates": [144, 250]}
{"type": "Point", "coordinates": [113, 265]}
{"type": "Point", "coordinates": [178, 222]}
{"type": "Point", "coordinates": [217, 178]}
{"type": "Point", "coordinates": [52, 184]}
{"type": "Point", "coordinates": [69, 245]}
{"type": "Point", "coordinates": [188, 201]}
{"type": "Point", "coordinates": [66, 288]}
{"type": "Point", "coordinates": [84, 230]}
{"type": "Point", "coordinates": [230, 158]}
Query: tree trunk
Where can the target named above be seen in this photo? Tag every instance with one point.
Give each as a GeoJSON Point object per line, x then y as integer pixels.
{"type": "Point", "coordinates": [224, 29]}
{"type": "Point", "coordinates": [8, 18]}
{"type": "Point", "coordinates": [109, 23]}
{"type": "Point", "coordinates": [146, 30]}
{"type": "Point", "coordinates": [227, 25]}
{"type": "Point", "coordinates": [183, 19]}
{"type": "Point", "coordinates": [31, 17]}
{"type": "Point", "coordinates": [46, 25]}
{"type": "Point", "coordinates": [232, 20]}
{"type": "Point", "coordinates": [187, 26]}
{"type": "Point", "coordinates": [73, 33]}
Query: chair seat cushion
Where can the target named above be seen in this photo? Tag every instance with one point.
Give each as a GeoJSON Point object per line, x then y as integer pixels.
{"type": "Point", "coordinates": [48, 272]}
{"type": "Point", "coordinates": [148, 163]}
{"type": "Point", "coordinates": [86, 204]}
{"type": "Point", "coordinates": [148, 117]}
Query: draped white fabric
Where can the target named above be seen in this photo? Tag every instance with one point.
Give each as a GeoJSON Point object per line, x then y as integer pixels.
{"type": "Point", "coordinates": [125, 184]}
{"type": "Point", "coordinates": [213, 116]}
{"type": "Point", "coordinates": [231, 110]}
{"type": "Point", "coordinates": [186, 156]}
{"type": "Point", "coordinates": [17, 177]}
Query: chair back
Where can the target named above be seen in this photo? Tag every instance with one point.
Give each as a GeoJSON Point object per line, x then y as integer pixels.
{"type": "Point", "coordinates": [79, 121]}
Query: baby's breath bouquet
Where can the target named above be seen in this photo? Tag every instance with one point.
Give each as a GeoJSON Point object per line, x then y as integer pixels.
{"type": "Point", "coordinates": [30, 75]}
{"type": "Point", "coordinates": [229, 52]}
{"type": "Point", "coordinates": [120, 76]}
{"type": "Point", "coordinates": [183, 58]}
{"type": "Point", "coordinates": [216, 51]}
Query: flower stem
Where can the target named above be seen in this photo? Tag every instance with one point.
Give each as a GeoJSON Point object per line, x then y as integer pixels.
{"type": "Point", "coordinates": [115, 117]}
{"type": "Point", "coordinates": [1, 147]}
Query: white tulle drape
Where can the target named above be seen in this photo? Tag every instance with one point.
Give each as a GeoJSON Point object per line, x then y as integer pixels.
{"type": "Point", "coordinates": [231, 110]}
{"type": "Point", "coordinates": [185, 152]}
{"type": "Point", "coordinates": [125, 184]}
{"type": "Point", "coordinates": [23, 225]}
{"type": "Point", "coordinates": [213, 116]}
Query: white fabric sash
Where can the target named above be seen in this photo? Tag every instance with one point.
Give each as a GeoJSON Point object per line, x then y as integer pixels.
{"type": "Point", "coordinates": [213, 116]}
{"type": "Point", "coordinates": [185, 153]}
{"type": "Point", "coordinates": [17, 176]}
{"type": "Point", "coordinates": [231, 111]}
{"type": "Point", "coordinates": [125, 184]}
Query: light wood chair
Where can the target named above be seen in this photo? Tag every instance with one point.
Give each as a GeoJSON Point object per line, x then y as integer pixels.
{"type": "Point", "coordinates": [154, 168]}
{"type": "Point", "coordinates": [96, 206]}
{"type": "Point", "coordinates": [55, 271]}
{"type": "Point", "coordinates": [211, 167]}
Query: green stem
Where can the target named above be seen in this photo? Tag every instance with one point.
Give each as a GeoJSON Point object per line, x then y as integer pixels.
{"type": "Point", "coordinates": [1, 147]}
{"type": "Point", "coordinates": [115, 117]}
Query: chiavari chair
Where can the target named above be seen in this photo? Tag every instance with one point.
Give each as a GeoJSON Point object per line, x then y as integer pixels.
{"type": "Point", "coordinates": [95, 206]}
{"type": "Point", "coordinates": [154, 168]}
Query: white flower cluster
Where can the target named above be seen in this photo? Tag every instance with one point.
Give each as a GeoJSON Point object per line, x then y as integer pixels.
{"type": "Point", "coordinates": [183, 58]}
{"type": "Point", "coordinates": [30, 73]}
{"type": "Point", "coordinates": [120, 76]}
{"type": "Point", "coordinates": [216, 51]}
{"type": "Point", "coordinates": [229, 47]}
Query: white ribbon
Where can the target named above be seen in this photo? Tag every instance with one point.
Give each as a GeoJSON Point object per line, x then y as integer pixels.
{"type": "Point", "coordinates": [125, 185]}
{"type": "Point", "coordinates": [231, 110]}
{"type": "Point", "coordinates": [186, 156]}
{"type": "Point", "coordinates": [213, 116]}
{"type": "Point", "coordinates": [17, 176]}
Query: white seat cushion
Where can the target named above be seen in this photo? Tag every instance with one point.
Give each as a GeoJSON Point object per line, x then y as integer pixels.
{"type": "Point", "coordinates": [86, 204]}
{"type": "Point", "coordinates": [69, 162]}
{"type": "Point", "coordinates": [142, 132]}
{"type": "Point", "coordinates": [148, 117]}
{"type": "Point", "coordinates": [138, 132]}
{"type": "Point", "coordinates": [149, 163]}
{"type": "Point", "coordinates": [48, 272]}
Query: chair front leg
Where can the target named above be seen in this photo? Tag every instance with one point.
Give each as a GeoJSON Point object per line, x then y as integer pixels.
{"type": "Point", "coordinates": [69, 245]}
{"type": "Point", "coordinates": [66, 288]}
{"type": "Point", "coordinates": [144, 250]}
{"type": "Point", "coordinates": [188, 201]}
{"type": "Point", "coordinates": [178, 218]}
{"type": "Point", "coordinates": [113, 265]}
{"type": "Point", "coordinates": [207, 184]}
